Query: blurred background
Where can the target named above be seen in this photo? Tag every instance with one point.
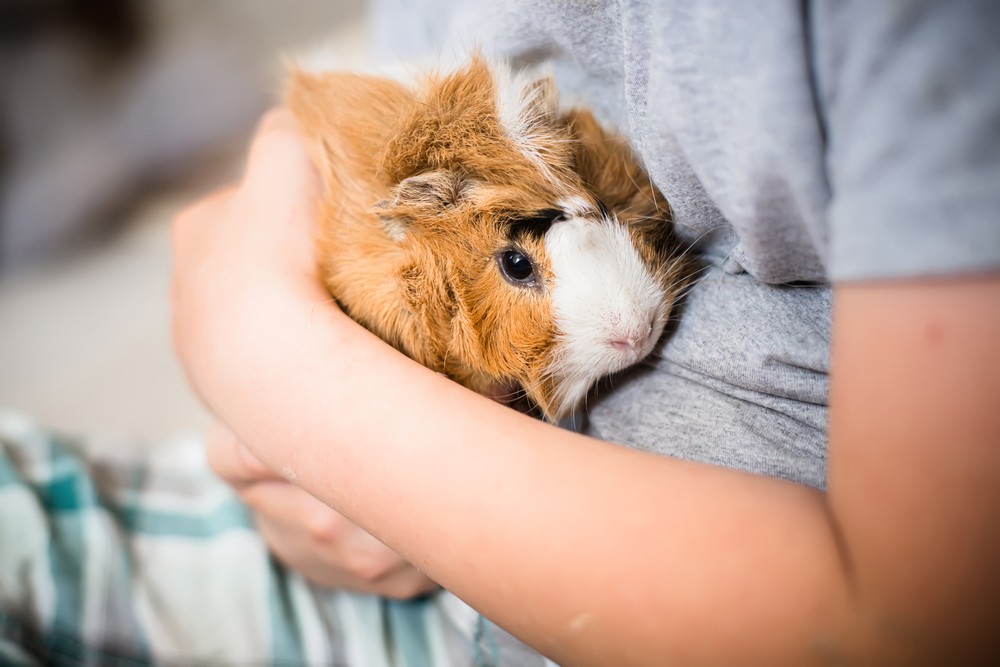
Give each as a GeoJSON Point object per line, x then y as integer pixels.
{"type": "Point", "coordinates": [114, 114]}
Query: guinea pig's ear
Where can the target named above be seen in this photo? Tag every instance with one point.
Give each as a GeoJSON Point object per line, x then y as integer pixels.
{"type": "Point", "coordinates": [420, 197]}
{"type": "Point", "coordinates": [527, 106]}
{"type": "Point", "coordinates": [345, 118]}
{"type": "Point", "coordinates": [608, 166]}
{"type": "Point", "coordinates": [542, 97]}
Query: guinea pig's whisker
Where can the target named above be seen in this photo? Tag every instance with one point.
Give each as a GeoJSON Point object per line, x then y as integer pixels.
{"type": "Point", "coordinates": [638, 217]}
{"type": "Point", "coordinates": [627, 171]}
{"type": "Point", "coordinates": [691, 274]}
{"type": "Point", "coordinates": [729, 254]}
{"type": "Point", "coordinates": [652, 188]}
{"type": "Point", "coordinates": [518, 393]}
{"type": "Point", "coordinates": [628, 209]}
{"type": "Point", "coordinates": [680, 252]}
{"type": "Point", "coordinates": [682, 293]}
{"type": "Point", "coordinates": [526, 389]}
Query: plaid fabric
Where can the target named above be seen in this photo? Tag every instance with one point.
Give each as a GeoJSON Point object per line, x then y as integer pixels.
{"type": "Point", "coordinates": [136, 556]}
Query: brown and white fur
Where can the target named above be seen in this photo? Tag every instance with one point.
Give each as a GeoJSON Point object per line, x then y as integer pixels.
{"type": "Point", "coordinates": [438, 190]}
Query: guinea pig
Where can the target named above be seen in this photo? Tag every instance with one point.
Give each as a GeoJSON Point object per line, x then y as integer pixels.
{"type": "Point", "coordinates": [517, 249]}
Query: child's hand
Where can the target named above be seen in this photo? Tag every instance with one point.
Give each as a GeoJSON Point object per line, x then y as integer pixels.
{"type": "Point", "coordinates": [245, 251]}
{"type": "Point", "coordinates": [306, 535]}
{"type": "Point", "coordinates": [237, 254]}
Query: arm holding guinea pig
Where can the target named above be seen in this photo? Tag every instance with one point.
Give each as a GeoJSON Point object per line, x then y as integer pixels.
{"type": "Point", "coordinates": [590, 552]}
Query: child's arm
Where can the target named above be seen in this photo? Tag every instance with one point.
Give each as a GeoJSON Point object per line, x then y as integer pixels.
{"type": "Point", "coordinates": [593, 553]}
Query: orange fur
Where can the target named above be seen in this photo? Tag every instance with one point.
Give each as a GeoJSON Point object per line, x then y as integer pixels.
{"type": "Point", "coordinates": [421, 186]}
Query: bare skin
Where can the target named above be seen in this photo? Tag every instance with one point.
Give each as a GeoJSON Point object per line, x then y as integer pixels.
{"type": "Point", "coordinates": [312, 538]}
{"type": "Point", "coordinates": [593, 553]}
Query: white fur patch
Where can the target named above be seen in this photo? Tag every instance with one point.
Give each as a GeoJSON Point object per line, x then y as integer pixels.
{"type": "Point", "coordinates": [520, 109]}
{"type": "Point", "coordinates": [394, 229]}
{"type": "Point", "coordinates": [603, 297]}
{"type": "Point", "coordinates": [575, 206]}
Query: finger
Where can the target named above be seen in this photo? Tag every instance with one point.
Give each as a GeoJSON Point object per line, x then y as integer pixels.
{"type": "Point", "coordinates": [232, 461]}
{"type": "Point", "coordinates": [203, 210]}
{"type": "Point", "coordinates": [276, 119]}
{"type": "Point", "coordinates": [278, 155]}
{"type": "Point", "coordinates": [343, 542]}
{"type": "Point", "coordinates": [328, 565]}
{"type": "Point", "coordinates": [285, 503]}
{"type": "Point", "coordinates": [403, 583]}
{"type": "Point", "coordinates": [280, 194]}
{"type": "Point", "coordinates": [330, 536]}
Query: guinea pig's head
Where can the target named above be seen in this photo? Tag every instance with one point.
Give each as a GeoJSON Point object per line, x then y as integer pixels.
{"type": "Point", "coordinates": [537, 257]}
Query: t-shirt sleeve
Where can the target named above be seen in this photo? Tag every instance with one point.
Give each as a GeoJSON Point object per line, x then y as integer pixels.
{"type": "Point", "coordinates": [910, 92]}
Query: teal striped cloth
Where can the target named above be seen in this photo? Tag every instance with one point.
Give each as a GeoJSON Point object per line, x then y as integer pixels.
{"type": "Point", "coordinates": [125, 555]}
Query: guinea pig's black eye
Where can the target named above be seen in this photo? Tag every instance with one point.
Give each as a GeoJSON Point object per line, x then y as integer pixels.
{"type": "Point", "coordinates": [516, 267]}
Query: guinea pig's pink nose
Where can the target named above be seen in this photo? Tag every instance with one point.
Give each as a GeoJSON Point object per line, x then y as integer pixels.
{"type": "Point", "coordinates": [633, 339]}
{"type": "Point", "coordinates": [625, 344]}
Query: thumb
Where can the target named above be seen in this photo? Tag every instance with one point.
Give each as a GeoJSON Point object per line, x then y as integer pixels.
{"type": "Point", "coordinates": [278, 156]}
{"type": "Point", "coordinates": [280, 193]}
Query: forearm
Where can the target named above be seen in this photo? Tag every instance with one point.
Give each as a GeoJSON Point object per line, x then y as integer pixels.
{"type": "Point", "coordinates": [580, 547]}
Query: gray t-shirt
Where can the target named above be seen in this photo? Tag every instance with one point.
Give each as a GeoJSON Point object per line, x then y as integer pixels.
{"type": "Point", "coordinates": [799, 143]}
